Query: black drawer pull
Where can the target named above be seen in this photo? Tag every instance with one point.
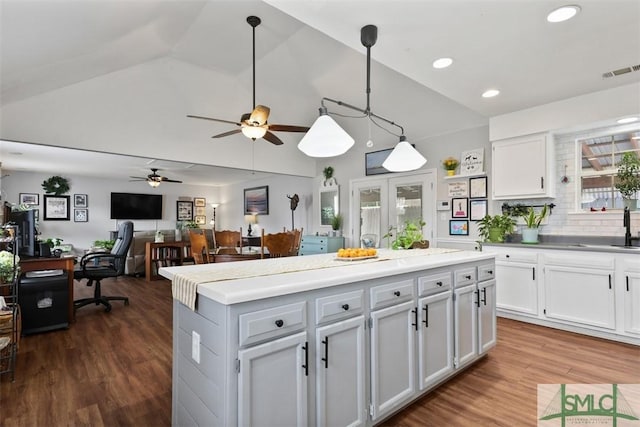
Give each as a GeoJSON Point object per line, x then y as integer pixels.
{"type": "Point", "coordinates": [345, 307]}
{"type": "Point", "coordinates": [490, 271]}
{"type": "Point", "coordinates": [468, 277]}
{"type": "Point", "coordinates": [325, 359]}
{"type": "Point", "coordinates": [396, 293]}
{"type": "Point", "coordinates": [439, 283]}
{"type": "Point", "coordinates": [279, 323]}
{"type": "Point", "coordinates": [506, 256]}
{"type": "Point", "coordinates": [426, 316]}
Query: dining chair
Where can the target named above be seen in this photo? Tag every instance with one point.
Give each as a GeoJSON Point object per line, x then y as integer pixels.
{"type": "Point", "coordinates": [277, 244]}
{"type": "Point", "coordinates": [227, 241]}
{"type": "Point", "coordinates": [199, 247]}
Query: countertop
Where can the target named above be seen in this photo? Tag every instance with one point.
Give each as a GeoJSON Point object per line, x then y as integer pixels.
{"type": "Point", "coordinates": [571, 246]}
{"type": "Point", "coordinates": [304, 278]}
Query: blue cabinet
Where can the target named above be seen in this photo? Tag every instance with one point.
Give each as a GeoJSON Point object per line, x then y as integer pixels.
{"type": "Point", "coordinates": [311, 245]}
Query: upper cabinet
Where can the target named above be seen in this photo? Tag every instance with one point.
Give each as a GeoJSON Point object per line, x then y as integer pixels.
{"type": "Point", "coordinates": [523, 167]}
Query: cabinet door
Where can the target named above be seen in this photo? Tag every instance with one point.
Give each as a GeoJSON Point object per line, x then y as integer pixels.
{"type": "Point", "coordinates": [393, 370]}
{"type": "Point", "coordinates": [466, 324]}
{"type": "Point", "coordinates": [340, 369]}
{"type": "Point", "coordinates": [582, 296]}
{"type": "Point", "coordinates": [487, 336]}
{"type": "Point", "coordinates": [632, 303]}
{"type": "Point", "coordinates": [272, 384]}
{"type": "Point", "coordinates": [517, 288]}
{"type": "Point", "coordinates": [435, 338]}
{"type": "Point", "coordinates": [520, 168]}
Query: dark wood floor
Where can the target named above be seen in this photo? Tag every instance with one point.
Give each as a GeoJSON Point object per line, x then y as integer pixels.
{"type": "Point", "coordinates": [114, 369]}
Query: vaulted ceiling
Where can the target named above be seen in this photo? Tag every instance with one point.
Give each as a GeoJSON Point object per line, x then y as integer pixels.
{"type": "Point", "coordinates": [121, 75]}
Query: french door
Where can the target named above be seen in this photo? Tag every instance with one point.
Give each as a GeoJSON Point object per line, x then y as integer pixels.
{"type": "Point", "coordinates": [377, 204]}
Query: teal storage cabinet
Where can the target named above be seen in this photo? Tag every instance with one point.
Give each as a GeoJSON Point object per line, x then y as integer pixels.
{"type": "Point", "coordinates": [312, 245]}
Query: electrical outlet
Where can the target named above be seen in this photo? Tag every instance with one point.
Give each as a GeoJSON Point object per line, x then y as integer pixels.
{"type": "Point", "coordinates": [195, 346]}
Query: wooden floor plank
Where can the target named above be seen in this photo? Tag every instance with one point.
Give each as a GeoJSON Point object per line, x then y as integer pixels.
{"type": "Point", "coordinates": [114, 368]}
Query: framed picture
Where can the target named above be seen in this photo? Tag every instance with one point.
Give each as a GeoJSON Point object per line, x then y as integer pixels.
{"type": "Point", "coordinates": [458, 189]}
{"type": "Point", "coordinates": [199, 201]}
{"type": "Point", "coordinates": [201, 219]}
{"type": "Point", "coordinates": [80, 201]}
{"type": "Point", "coordinates": [256, 200]}
{"type": "Point", "coordinates": [459, 207]}
{"type": "Point", "coordinates": [184, 210]}
{"type": "Point", "coordinates": [56, 208]}
{"type": "Point", "coordinates": [29, 199]}
{"type": "Point", "coordinates": [81, 215]}
{"type": "Point", "coordinates": [477, 209]}
{"type": "Point", "coordinates": [478, 187]}
{"type": "Point", "coordinates": [458, 227]}
{"type": "Point", "coordinates": [472, 162]}
{"type": "Point", "coordinates": [200, 211]}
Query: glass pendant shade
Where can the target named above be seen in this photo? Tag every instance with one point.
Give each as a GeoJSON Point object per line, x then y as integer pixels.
{"type": "Point", "coordinates": [404, 158]}
{"type": "Point", "coordinates": [153, 183]}
{"type": "Point", "coordinates": [325, 138]}
{"type": "Point", "coordinates": [254, 132]}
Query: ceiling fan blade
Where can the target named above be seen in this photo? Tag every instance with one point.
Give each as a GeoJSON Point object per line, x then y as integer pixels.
{"type": "Point", "coordinates": [214, 120]}
{"type": "Point", "coordinates": [288, 128]}
{"type": "Point", "coordinates": [137, 178]}
{"type": "Point", "coordinates": [259, 115]}
{"type": "Point", "coordinates": [231, 132]}
{"type": "Point", "coordinates": [272, 138]}
{"type": "Point", "coordinates": [163, 179]}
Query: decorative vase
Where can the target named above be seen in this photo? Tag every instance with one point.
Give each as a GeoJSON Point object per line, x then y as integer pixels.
{"type": "Point", "coordinates": [451, 172]}
{"type": "Point", "coordinates": [178, 235]}
{"type": "Point", "coordinates": [529, 235]}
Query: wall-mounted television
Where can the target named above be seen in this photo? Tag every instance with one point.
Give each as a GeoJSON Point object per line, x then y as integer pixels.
{"type": "Point", "coordinates": [136, 206]}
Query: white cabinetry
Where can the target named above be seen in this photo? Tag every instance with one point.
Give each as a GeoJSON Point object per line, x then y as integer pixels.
{"type": "Point", "coordinates": [523, 167]}
{"type": "Point", "coordinates": [466, 324]}
{"type": "Point", "coordinates": [487, 327]}
{"type": "Point", "coordinates": [435, 333]}
{"type": "Point", "coordinates": [631, 292]}
{"type": "Point", "coordinates": [579, 289]}
{"type": "Point", "coordinates": [272, 385]}
{"type": "Point", "coordinates": [517, 285]}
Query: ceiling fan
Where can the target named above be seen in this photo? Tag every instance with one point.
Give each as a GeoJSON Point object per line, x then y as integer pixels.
{"type": "Point", "coordinates": [254, 125]}
{"type": "Point", "coordinates": [153, 179]}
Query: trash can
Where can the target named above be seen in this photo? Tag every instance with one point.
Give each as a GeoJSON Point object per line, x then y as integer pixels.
{"type": "Point", "coordinates": [44, 300]}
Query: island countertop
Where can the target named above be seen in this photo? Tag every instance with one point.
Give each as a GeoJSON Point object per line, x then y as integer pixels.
{"type": "Point", "coordinates": [238, 282]}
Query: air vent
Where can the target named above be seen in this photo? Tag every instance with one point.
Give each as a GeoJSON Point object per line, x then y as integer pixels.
{"type": "Point", "coordinates": [621, 71]}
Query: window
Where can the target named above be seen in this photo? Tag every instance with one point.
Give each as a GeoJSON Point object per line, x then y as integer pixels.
{"type": "Point", "coordinates": [600, 156]}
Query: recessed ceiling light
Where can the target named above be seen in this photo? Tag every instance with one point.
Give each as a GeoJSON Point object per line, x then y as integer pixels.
{"type": "Point", "coordinates": [628, 120]}
{"type": "Point", "coordinates": [563, 13]}
{"type": "Point", "coordinates": [490, 93]}
{"type": "Point", "coordinates": [442, 62]}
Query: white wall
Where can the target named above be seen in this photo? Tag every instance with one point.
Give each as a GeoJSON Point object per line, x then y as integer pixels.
{"type": "Point", "coordinates": [82, 234]}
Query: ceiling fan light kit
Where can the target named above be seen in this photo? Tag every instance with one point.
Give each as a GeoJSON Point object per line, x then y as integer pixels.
{"type": "Point", "coordinates": [254, 125]}
{"type": "Point", "coordinates": [326, 138]}
{"type": "Point", "coordinates": [154, 179]}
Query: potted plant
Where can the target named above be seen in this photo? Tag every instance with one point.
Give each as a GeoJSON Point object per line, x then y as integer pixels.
{"type": "Point", "coordinates": [336, 223]}
{"type": "Point", "coordinates": [409, 237]}
{"type": "Point", "coordinates": [450, 164]}
{"type": "Point", "coordinates": [45, 246]}
{"type": "Point", "coordinates": [532, 221]}
{"type": "Point", "coordinates": [104, 245]}
{"type": "Point", "coordinates": [495, 228]}
{"type": "Point", "coordinates": [627, 180]}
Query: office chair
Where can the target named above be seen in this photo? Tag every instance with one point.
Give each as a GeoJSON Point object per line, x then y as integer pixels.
{"type": "Point", "coordinates": [97, 266]}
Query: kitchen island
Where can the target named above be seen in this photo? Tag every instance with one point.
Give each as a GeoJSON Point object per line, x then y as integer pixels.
{"type": "Point", "coordinates": [318, 341]}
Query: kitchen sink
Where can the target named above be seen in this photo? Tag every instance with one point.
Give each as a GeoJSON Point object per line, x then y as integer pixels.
{"type": "Point", "coordinates": [586, 245]}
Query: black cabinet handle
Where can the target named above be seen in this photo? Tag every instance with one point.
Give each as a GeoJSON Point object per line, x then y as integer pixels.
{"type": "Point", "coordinates": [426, 316]}
{"type": "Point", "coordinates": [439, 283]}
{"type": "Point", "coordinates": [305, 347]}
{"type": "Point", "coordinates": [345, 307]}
{"type": "Point", "coordinates": [478, 299]}
{"type": "Point", "coordinates": [627, 283]}
{"type": "Point", "coordinates": [325, 359]}
{"type": "Point", "coordinates": [609, 281]}
{"type": "Point", "coordinates": [415, 314]}
{"type": "Point", "coordinates": [279, 323]}
{"type": "Point", "coordinates": [534, 273]}
{"type": "Point", "coordinates": [396, 293]}
{"type": "Point", "coordinates": [468, 277]}
{"type": "Point", "coordinates": [484, 296]}
{"type": "Point", "coordinates": [507, 256]}
{"type": "Point", "coordinates": [490, 271]}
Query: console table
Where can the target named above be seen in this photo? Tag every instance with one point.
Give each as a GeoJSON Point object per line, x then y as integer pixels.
{"type": "Point", "coordinates": [63, 263]}
{"type": "Point", "coordinates": [163, 254]}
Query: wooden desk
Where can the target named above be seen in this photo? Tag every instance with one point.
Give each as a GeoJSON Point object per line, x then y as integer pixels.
{"type": "Point", "coordinates": [163, 254]}
{"type": "Point", "coordinates": [64, 263]}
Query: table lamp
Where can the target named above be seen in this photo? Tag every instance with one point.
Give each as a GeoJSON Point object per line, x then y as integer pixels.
{"type": "Point", "coordinates": [250, 219]}
{"type": "Point", "coordinates": [213, 220]}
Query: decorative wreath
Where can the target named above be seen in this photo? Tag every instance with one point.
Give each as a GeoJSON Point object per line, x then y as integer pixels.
{"type": "Point", "coordinates": [56, 185]}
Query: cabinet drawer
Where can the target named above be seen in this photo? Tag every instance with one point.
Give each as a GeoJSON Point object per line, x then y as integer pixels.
{"type": "Point", "coordinates": [313, 248]}
{"type": "Point", "coordinates": [392, 293]}
{"type": "Point", "coordinates": [272, 323]}
{"type": "Point", "coordinates": [338, 307]}
{"type": "Point", "coordinates": [434, 283]}
{"type": "Point", "coordinates": [517, 256]}
{"type": "Point", "coordinates": [580, 261]}
{"type": "Point", "coordinates": [486, 272]}
{"type": "Point", "coordinates": [465, 276]}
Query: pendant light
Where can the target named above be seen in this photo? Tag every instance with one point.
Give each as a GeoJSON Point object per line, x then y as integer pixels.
{"type": "Point", "coordinates": [326, 138]}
